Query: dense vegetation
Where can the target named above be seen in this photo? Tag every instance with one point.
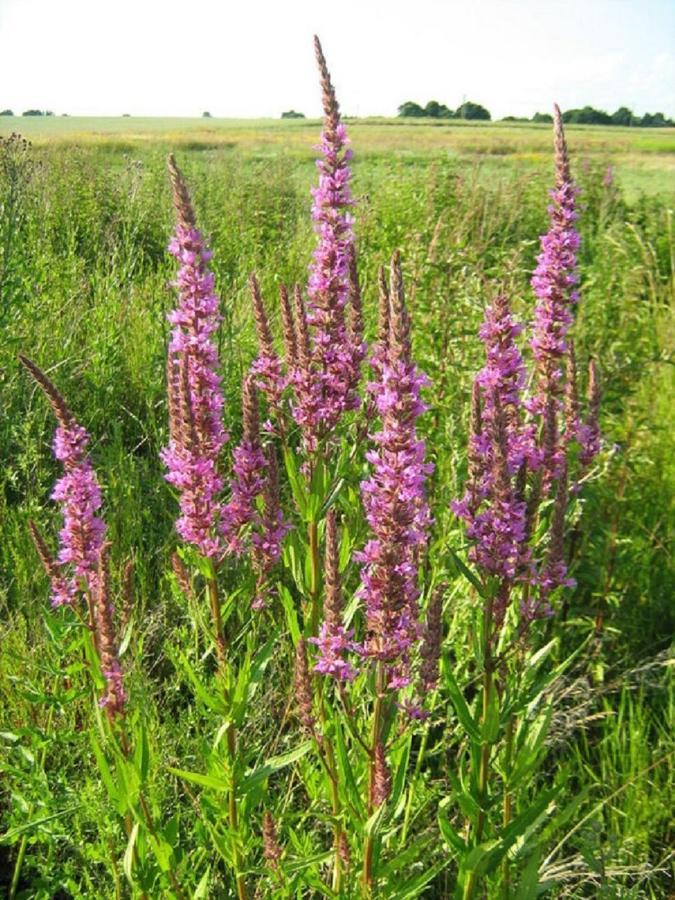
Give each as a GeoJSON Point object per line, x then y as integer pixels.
{"type": "Point", "coordinates": [83, 285]}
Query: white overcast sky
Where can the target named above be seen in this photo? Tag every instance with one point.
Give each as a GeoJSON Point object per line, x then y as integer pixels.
{"type": "Point", "coordinates": [254, 57]}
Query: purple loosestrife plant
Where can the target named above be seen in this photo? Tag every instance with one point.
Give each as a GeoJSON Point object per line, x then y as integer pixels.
{"type": "Point", "coordinates": [194, 385]}
{"type": "Point", "coordinates": [395, 503]}
{"type": "Point", "coordinates": [326, 385]}
{"type": "Point", "coordinates": [74, 573]}
{"type": "Point", "coordinates": [554, 283]}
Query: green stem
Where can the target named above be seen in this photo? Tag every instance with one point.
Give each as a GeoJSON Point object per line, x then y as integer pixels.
{"type": "Point", "coordinates": [219, 636]}
{"type": "Point", "coordinates": [221, 655]}
{"type": "Point", "coordinates": [315, 569]}
{"type": "Point", "coordinates": [508, 802]}
{"type": "Point", "coordinates": [411, 790]}
{"type": "Point", "coordinates": [369, 848]}
{"type": "Point", "coordinates": [486, 746]}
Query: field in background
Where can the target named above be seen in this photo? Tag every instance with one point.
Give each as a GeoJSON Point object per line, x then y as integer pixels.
{"type": "Point", "coordinates": [644, 158]}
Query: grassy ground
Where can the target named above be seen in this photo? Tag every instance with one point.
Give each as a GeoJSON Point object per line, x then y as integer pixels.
{"type": "Point", "coordinates": [84, 222]}
{"type": "Point", "coordinates": [644, 158]}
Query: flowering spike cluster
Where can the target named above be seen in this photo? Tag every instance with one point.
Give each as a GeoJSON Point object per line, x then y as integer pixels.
{"type": "Point", "coordinates": [288, 326]}
{"type": "Point", "coordinates": [303, 690]}
{"type": "Point", "coordinates": [75, 570]}
{"type": "Point", "coordinates": [430, 651]}
{"type": "Point", "coordinates": [337, 348]}
{"type": "Point", "coordinates": [555, 286]}
{"type": "Point", "coordinates": [571, 406]}
{"type": "Point", "coordinates": [553, 573]}
{"type": "Point", "coordinates": [248, 472]}
{"type": "Point", "coordinates": [267, 365]}
{"type": "Point", "coordinates": [589, 431]}
{"type": "Point", "coordinates": [114, 698]}
{"type": "Point", "coordinates": [193, 383]}
{"type": "Point", "coordinates": [501, 447]}
{"type": "Point", "coordinates": [270, 532]}
{"type": "Point", "coordinates": [271, 848]}
{"type": "Point", "coordinates": [333, 640]}
{"type": "Point", "coordinates": [381, 780]}
{"type": "Point", "coordinates": [394, 499]}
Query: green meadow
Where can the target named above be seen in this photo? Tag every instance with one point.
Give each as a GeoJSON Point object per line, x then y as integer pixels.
{"type": "Point", "coordinates": [85, 217]}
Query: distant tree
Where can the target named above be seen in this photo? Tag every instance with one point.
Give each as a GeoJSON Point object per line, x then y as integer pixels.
{"type": "Point", "coordinates": [432, 109]}
{"type": "Point", "coordinates": [445, 112]}
{"type": "Point", "coordinates": [514, 119]}
{"type": "Point", "coordinates": [587, 116]}
{"type": "Point", "coordinates": [474, 111]}
{"type": "Point", "coordinates": [126, 115]}
{"type": "Point", "coordinates": [49, 113]}
{"type": "Point", "coordinates": [6, 112]}
{"type": "Point", "coordinates": [65, 115]}
{"type": "Point", "coordinates": [410, 110]}
{"type": "Point", "coordinates": [624, 116]}
{"type": "Point", "coordinates": [206, 115]}
{"type": "Point", "coordinates": [292, 114]}
{"type": "Point", "coordinates": [655, 120]}
{"type": "Point", "coordinates": [543, 118]}
{"type": "Point", "coordinates": [33, 112]}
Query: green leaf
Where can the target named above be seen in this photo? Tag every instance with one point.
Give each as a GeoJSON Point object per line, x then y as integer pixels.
{"type": "Point", "coordinates": [207, 781]}
{"type": "Point", "coordinates": [291, 614]}
{"type": "Point", "coordinates": [413, 887]}
{"type": "Point", "coordinates": [450, 835]}
{"type": "Point", "coordinates": [527, 886]}
{"type": "Point", "coordinates": [348, 779]}
{"type": "Point", "coordinates": [104, 770]}
{"type": "Point", "coordinates": [128, 862]}
{"type": "Point", "coordinates": [468, 574]}
{"type": "Point", "coordinates": [297, 483]}
{"type": "Point", "coordinates": [201, 890]}
{"type": "Point", "coordinates": [272, 765]}
{"type": "Point", "coordinates": [459, 703]}
{"type": "Point", "coordinates": [401, 772]}
{"type": "Point", "coordinates": [142, 752]}
{"type": "Point", "coordinates": [490, 727]}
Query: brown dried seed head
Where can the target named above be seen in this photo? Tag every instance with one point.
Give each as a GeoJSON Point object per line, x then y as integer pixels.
{"type": "Point", "coordinates": [431, 643]}
{"type": "Point", "coordinates": [43, 551]}
{"type": "Point", "coordinates": [384, 309]}
{"type": "Point", "coordinates": [594, 392]}
{"type": "Point", "coordinates": [571, 395]}
{"type": "Point", "coordinates": [333, 601]}
{"type": "Point", "coordinates": [181, 195]}
{"type": "Point", "coordinates": [290, 345]}
{"type": "Point", "coordinates": [303, 689]}
{"type": "Point", "coordinates": [562, 165]}
{"type": "Point", "coordinates": [250, 410]}
{"type": "Point", "coordinates": [343, 850]}
{"type": "Point", "coordinates": [173, 396]}
{"type": "Point", "coordinates": [301, 330]}
{"type": "Point", "coordinates": [188, 432]}
{"type": "Point", "coordinates": [556, 548]}
{"type": "Point", "coordinates": [262, 325]}
{"type": "Point", "coordinates": [381, 787]}
{"type": "Point", "coordinates": [355, 314]}
{"type": "Point", "coordinates": [328, 99]}
{"type": "Point", "coordinates": [271, 849]}
{"type": "Point", "coordinates": [182, 574]}
{"type": "Point", "coordinates": [64, 416]}
{"type": "Point", "coordinates": [127, 593]}
{"type": "Point", "coordinates": [399, 328]}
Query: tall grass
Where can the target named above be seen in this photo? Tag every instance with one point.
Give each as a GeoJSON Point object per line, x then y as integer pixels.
{"type": "Point", "coordinates": [84, 277]}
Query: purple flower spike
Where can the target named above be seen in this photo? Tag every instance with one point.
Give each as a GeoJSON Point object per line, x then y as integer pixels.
{"type": "Point", "coordinates": [395, 503]}
{"type": "Point", "coordinates": [333, 640]}
{"type": "Point", "coordinates": [74, 573]}
{"type": "Point", "coordinates": [194, 386]}
{"type": "Point", "coordinates": [327, 388]}
{"type": "Point", "coordinates": [555, 286]}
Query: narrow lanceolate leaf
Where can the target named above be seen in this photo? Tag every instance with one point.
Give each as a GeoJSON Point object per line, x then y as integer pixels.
{"type": "Point", "coordinates": [459, 703]}
{"type": "Point", "coordinates": [128, 861]}
{"type": "Point", "coordinates": [272, 765]}
{"type": "Point", "coordinates": [207, 781]}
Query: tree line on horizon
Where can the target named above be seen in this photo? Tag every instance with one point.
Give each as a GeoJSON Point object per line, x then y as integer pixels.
{"type": "Point", "coordinates": [586, 115]}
